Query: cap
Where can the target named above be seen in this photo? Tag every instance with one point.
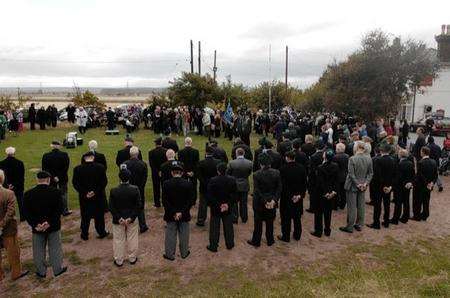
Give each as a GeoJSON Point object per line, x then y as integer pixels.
{"type": "Point", "coordinates": [177, 166]}
{"type": "Point", "coordinates": [43, 175]}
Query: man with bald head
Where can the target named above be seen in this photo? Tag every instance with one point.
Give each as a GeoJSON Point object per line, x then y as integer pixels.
{"type": "Point", "coordinates": [190, 157]}
{"type": "Point", "coordinates": [98, 157]}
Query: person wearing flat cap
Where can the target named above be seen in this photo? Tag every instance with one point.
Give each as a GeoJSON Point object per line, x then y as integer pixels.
{"type": "Point", "coordinates": [56, 162]}
{"type": "Point", "coordinates": [156, 158]}
{"type": "Point", "coordinates": [43, 209]}
{"type": "Point", "coordinates": [124, 154]}
{"type": "Point", "coordinates": [125, 205]}
{"type": "Point", "coordinates": [266, 194]}
{"type": "Point", "coordinates": [177, 196]}
{"type": "Point", "coordinates": [89, 180]}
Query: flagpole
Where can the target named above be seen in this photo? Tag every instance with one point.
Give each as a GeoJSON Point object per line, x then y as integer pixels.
{"type": "Point", "coordinates": [270, 78]}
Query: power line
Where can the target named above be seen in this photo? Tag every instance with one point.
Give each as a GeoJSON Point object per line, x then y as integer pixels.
{"type": "Point", "coordinates": [92, 62]}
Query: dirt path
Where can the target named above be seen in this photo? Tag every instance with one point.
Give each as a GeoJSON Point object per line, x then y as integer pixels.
{"type": "Point", "coordinates": [279, 258]}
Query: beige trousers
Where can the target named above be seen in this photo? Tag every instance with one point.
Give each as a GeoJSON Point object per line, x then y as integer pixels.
{"type": "Point", "coordinates": [125, 242]}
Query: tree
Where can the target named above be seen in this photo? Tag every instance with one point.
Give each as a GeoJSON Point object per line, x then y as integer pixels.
{"type": "Point", "coordinates": [237, 94]}
{"type": "Point", "coordinates": [8, 104]}
{"type": "Point", "coordinates": [87, 99]}
{"type": "Point", "coordinates": [193, 90]}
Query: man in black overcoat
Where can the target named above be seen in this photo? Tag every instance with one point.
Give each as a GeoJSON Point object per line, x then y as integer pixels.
{"type": "Point", "coordinates": [156, 157]}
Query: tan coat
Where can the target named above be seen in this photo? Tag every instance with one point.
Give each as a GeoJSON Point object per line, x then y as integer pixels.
{"type": "Point", "coordinates": [8, 222]}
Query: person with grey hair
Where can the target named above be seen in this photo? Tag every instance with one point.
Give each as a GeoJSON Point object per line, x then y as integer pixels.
{"type": "Point", "coordinates": [360, 173]}
{"type": "Point", "coordinates": [139, 174]}
{"type": "Point", "coordinates": [14, 170]}
{"type": "Point", "coordinates": [405, 180]}
{"type": "Point", "coordinates": [190, 157]}
{"type": "Point", "coordinates": [98, 157]}
{"type": "Point", "coordinates": [341, 158]}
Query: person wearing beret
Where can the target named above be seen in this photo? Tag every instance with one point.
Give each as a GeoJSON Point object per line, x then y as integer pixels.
{"type": "Point", "coordinates": [89, 180]}
{"type": "Point", "coordinates": [124, 154]}
{"type": "Point", "coordinates": [156, 157]}
{"type": "Point", "coordinates": [266, 194]}
{"type": "Point", "coordinates": [43, 209]}
{"type": "Point", "coordinates": [326, 190]}
{"type": "Point", "coordinates": [177, 195]}
{"type": "Point", "coordinates": [56, 162]}
{"type": "Point", "coordinates": [125, 206]}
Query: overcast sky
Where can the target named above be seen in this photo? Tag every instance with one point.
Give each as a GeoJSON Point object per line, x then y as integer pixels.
{"type": "Point", "coordinates": [146, 43]}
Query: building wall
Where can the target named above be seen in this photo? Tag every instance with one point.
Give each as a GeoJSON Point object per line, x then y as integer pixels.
{"type": "Point", "coordinates": [437, 95]}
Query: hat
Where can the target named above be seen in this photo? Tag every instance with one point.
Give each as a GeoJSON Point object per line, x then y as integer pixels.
{"type": "Point", "coordinates": [177, 166]}
{"type": "Point", "coordinates": [56, 142]}
{"type": "Point", "coordinates": [43, 175]}
{"type": "Point", "coordinates": [124, 175]}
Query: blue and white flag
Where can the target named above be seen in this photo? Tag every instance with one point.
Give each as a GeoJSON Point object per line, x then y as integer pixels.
{"type": "Point", "coordinates": [228, 115]}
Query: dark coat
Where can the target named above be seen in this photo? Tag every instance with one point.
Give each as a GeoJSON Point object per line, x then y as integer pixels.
{"type": "Point", "coordinates": [124, 202]}
{"type": "Point", "coordinates": [293, 181]}
{"type": "Point", "coordinates": [275, 158]}
{"type": "Point", "coordinates": [220, 154]}
{"type": "Point", "coordinates": [98, 158]}
{"type": "Point", "coordinates": [56, 162]}
{"type": "Point", "coordinates": [247, 151]}
{"type": "Point", "coordinates": [309, 149]}
{"type": "Point", "coordinates": [14, 173]}
{"type": "Point", "coordinates": [169, 143]}
{"type": "Point", "coordinates": [327, 179]}
{"type": "Point", "coordinates": [221, 190]}
{"type": "Point", "coordinates": [177, 196]}
{"type": "Point", "coordinates": [189, 157]}
{"type": "Point", "coordinates": [156, 157]}
{"type": "Point", "coordinates": [284, 147]}
{"type": "Point", "coordinates": [427, 171]}
{"type": "Point", "coordinates": [302, 158]}
{"type": "Point", "coordinates": [207, 168]}
{"type": "Point", "coordinates": [166, 170]}
{"type": "Point", "coordinates": [124, 154]}
{"type": "Point", "coordinates": [384, 172]}
{"type": "Point", "coordinates": [266, 187]}
{"type": "Point", "coordinates": [342, 161]}
{"type": "Point", "coordinates": [43, 203]}
{"type": "Point", "coordinates": [139, 174]}
{"type": "Point", "coordinates": [405, 172]}
{"type": "Point", "coordinates": [88, 177]}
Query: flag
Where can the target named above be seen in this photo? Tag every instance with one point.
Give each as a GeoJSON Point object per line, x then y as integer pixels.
{"type": "Point", "coordinates": [228, 116]}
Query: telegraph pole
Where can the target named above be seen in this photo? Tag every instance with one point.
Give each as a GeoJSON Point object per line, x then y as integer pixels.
{"type": "Point", "coordinates": [270, 79]}
{"type": "Point", "coordinates": [286, 70]}
{"type": "Point", "coordinates": [215, 66]}
{"type": "Point", "coordinates": [199, 59]}
{"type": "Point", "coordinates": [192, 57]}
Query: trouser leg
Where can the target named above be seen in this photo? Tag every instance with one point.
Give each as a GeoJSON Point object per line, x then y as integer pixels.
{"type": "Point", "coordinates": [228, 230]}
{"type": "Point", "coordinates": [439, 182]}
{"type": "Point", "coordinates": [235, 212]}
{"type": "Point", "coordinates": [11, 244]}
{"type": "Point", "coordinates": [269, 231]}
{"type": "Point", "coordinates": [257, 229]}
{"type": "Point", "coordinates": [19, 198]}
{"type": "Point", "coordinates": [426, 204]}
{"type": "Point", "coordinates": [39, 243]}
{"type": "Point", "coordinates": [318, 219]}
{"type": "Point", "coordinates": [327, 211]}
{"type": "Point", "coordinates": [170, 240]}
{"type": "Point", "coordinates": [377, 209]}
{"type": "Point", "coordinates": [360, 208]}
{"type": "Point", "coordinates": [386, 207]}
{"type": "Point", "coordinates": [342, 196]}
{"type": "Point", "coordinates": [243, 207]}
{"type": "Point", "coordinates": [417, 206]}
{"type": "Point", "coordinates": [405, 204]}
{"type": "Point", "coordinates": [297, 219]}
{"type": "Point", "coordinates": [63, 188]}
{"type": "Point", "coordinates": [99, 221]}
{"type": "Point", "coordinates": [55, 252]}
{"type": "Point", "coordinates": [119, 237]}
{"type": "Point", "coordinates": [285, 223]}
{"type": "Point", "coordinates": [183, 237]}
{"type": "Point", "coordinates": [156, 180]}
{"type": "Point", "coordinates": [214, 231]}
{"type": "Point", "coordinates": [397, 205]}
{"type": "Point", "coordinates": [85, 223]}
{"type": "Point", "coordinates": [132, 235]}
{"type": "Point", "coordinates": [141, 216]}
{"type": "Point", "coordinates": [202, 210]}
{"type": "Point", "coordinates": [351, 209]}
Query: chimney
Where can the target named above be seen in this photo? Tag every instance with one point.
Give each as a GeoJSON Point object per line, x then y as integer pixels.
{"type": "Point", "coordinates": [443, 41]}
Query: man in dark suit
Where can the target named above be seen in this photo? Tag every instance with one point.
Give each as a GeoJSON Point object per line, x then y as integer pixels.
{"type": "Point", "coordinates": [240, 168]}
{"type": "Point", "coordinates": [300, 156]}
{"type": "Point", "coordinates": [426, 176]}
{"type": "Point", "coordinates": [308, 147]}
{"type": "Point", "coordinates": [32, 116]}
{"type": "Point", "coordinates": [284, 146]}
{"type": "Point", "coordinates": [43, 209]}
{"type": "Point", "coordinates": [275, 157]}
{"type": "Point", "coordinates": [177, 196]}
{"type": "Point", "coordinates": [218, 153]}
{"type": "Point", "coordinates": [14, 177]}
{"type": "Point", "coordinates": [190, 157]}
{"type": "Point", "coordinates": [293, 181]}
{"type": "Point", "coordinates": [221, 195]}
{"type": "Point", "coordinates": [341, 159]}
{"type": "Point", "coordinates": [124, 154]}
{"type": "Point", "coordinates": [266, 194]}
{"type": "Point", "coordinates": [170, 143]}
{"type": "Point", "coordinates": [238, 143]}
{"type": "Point", "coordinates": [327, 185]}
{"type": "Point", "coordinates": [420, 142]}
{"type": "Point", "coordinates": [156, 158]}
{"type": "Point", "coordinates": [435, 153]}
{"type": "Point", "coordinates": [315, 161]}
{"type": "Point", "coordinates": [404, 181]}
{"type": "Point", "coordinates": [384, 174]}
{"type": "Point", "coordinates": [207, 168]}
{"type": "Point", "coordinates": [89, 180]}
{"type": "Point", "coordinates": [139, 174]}
{"type": "Point", "coordinates": [56, 162]}
{"type": "Point", "coordinates": [98, 157]}
{"type": "Point", "coordinates": [166, 167]}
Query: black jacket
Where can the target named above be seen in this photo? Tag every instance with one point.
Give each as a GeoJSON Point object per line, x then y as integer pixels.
{"type": "Point", "coordinates": [88, 177]}
{"type": "Point", "coordinates": [166, 170]}
{"type": "Point", "coordinates": [169, 143]}
{"type": "Point", "coordinates": [139, 173]}
{"type": "Point", "coordinates": [384, 172]}
{"type": "Point", "coordinates": [124, 202]}
{"type": "Point", "coordinates": [275, 158]}
{"type": "Point", "coordinates": [405, 173]}
{"type": "Point", "coordinates": [327, 179]}
{"type": "Point", "coordinates": [207, 168]}
{"type": "Point", "coordinates": [43, 203]}
{"type": "Point", "coordinates": [98, 158]}
{"type": "Point", "coordinates": [302, 158]}
{"type": "Point", "coordinates": [221, 190]}
{"type": "Point", "coordinates": [189, 157]}
{"type": "Point", "coordinates": [266, 187]}
{"type": "Point", "coordinates": [56, 163]}
{"type": "Point", "coordinates": [426, 171]}
{"type": "Point", "coordinates": [156, 157]}
{"type": "Point", "coordinates": [220, 154]}
{"type": "Point", "coordinates": [309, 149]}
{"type": "Point", "coordinates": [293, 182]}
{"type": "Point", "coordinates": [284, 147]}
{"type": "Point", "coordinates": [435, 152]}
{"type": "Point", "coordinates": [14, 173]}
{"type": "Point", "coordinates": [247, 151]}
{"type": "Point", "coordinates": [124, 154]}
{"type": "Point", "coordinates": [177, 196]}
{"type": "Point", "coordinates": [342, 161]}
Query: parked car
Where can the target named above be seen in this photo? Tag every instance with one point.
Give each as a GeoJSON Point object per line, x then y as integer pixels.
{"type": "Point", "coordinates": [440, 128]}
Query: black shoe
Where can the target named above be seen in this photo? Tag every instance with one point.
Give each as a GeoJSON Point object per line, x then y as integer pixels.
{"type": "Point", "coordinates": [309, 210]}
{"type": "Point", "coordinates": [134, 262]}
{"type": "Point", "coordinates": [370, 203]}
{"type": "Point", "coordinates": [346, 230]}
{"type": "Point", "coordinates": [385, 224]}
{"type": "Point", "coordinates": [187, 255]}
{"type": "Point", "coordinates": [235, 222]}
{"type": "Point", "coordinates": [230, 247]}
{"type": "Point", "coordinates": [143, 230]}
{"type": "Point", "coordinates": [84, 237]}
{"type": "Point", "coordinates": [157, 205]}
{"type": "Point", "coordinates": [167, 258]}
{"type": "Point", "coordinates": [403, 220]}
{"type": "Point", "coordinates": [270, 243]}
{"type": "Point", "coordinates": [358, 228]}
{"type": "Point", "coordinates": [279, 237]}
{"type": "Point", "coordinates": [374, 226]}
{"type": "Point", "coordinates": [106, 234]}
{"type": "Point", "coordinates": [211, 249]}
{"type": "Point", "coordinates": [24, 273]}
{"type": "Point", "coordinates": [253, 244]}
{"type": "Point", "coordinates": [440, 189]}
{"type": "Point", "coordinates": [327, 233]}
{"type": "Point", "coordinates": [40, 275]}
{"type": "Point", "coordinates": [416, 218]}
{"type": "Point", "coordinates": [200, 224]}
{"type": "Point", "coordinates": [316, 234]}
{"type": "Point", "coordinates": [67, 213]}
{"type": "Point", "coordinates": [394, 221]}
{"type": "Point", "coordinates": [63, 270]}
